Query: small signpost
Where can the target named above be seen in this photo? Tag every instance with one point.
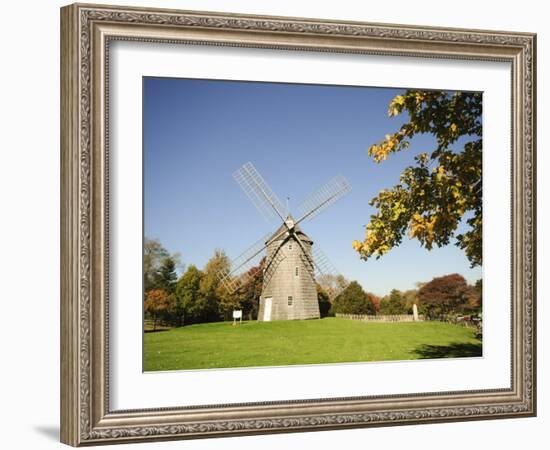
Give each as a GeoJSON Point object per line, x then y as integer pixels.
{"type": "Point", "coordinates": [237, 314]}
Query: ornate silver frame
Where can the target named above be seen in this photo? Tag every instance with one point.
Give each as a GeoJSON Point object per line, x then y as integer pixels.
{"type": "Point", "coordinates": [86, 31]}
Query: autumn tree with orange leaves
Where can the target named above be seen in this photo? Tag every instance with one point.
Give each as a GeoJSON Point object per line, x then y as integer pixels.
{"type": "Point", "coordinates": [158, 304]}
{"type": "Point", "coordinates": [443, 188]}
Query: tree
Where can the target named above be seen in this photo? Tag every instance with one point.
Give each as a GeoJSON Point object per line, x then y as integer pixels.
{"type": "Point", "coordinates": [444, 295]}
{"type": "Point", "coordinates": [250, 292]}
{"type": "Point", "coordinates": [158, 304]}
{"type": "Point", "coordinates": [332, 285]}
{"type": "Point", "coordinates": [375, 301]}
{"type": "Point", "coordinates": [189, 304]}
{"type": "Point", "coordinates": [444, 187]}
{"type": "Point", "coordinates": [153, 254]}
{"type": "Point", "coordinates": [479, 289]}
{"type": "Point", "coordinates": [353, 300]}
{"type": "Point", "coordinates": [410, 298]}
{"type": "Point", "coordinates": [165, 278]}
{"type": "Point", "coordinates": [475, 294]}
{"type": "Point", "coordinates": [324, 301]}
{"type": "Point", "coordinates": [159, 266]}
{"type": "Point", "coordinates": [394, 304]}
{"type": "Point", "coordinates": [216, 297]}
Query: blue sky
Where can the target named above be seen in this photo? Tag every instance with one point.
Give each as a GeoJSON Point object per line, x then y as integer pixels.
{"type": "Point", "coordinates": [198, 132]}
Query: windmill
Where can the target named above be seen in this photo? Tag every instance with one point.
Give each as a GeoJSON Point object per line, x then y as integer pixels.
{"type": "Point", "coordinates": [291, 262]}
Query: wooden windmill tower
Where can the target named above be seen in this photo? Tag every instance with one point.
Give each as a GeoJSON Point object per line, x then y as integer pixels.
{"type": "Point", "coordinates": [292, 261]}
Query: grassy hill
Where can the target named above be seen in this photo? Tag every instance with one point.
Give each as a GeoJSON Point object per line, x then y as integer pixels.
{"type": "Point", "coordinates": [329, 340]}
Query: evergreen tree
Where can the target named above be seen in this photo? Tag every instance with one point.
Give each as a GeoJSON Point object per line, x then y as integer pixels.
{"type": "Point", "coordinates": [394, 304]}
{"type": "Point", "coordinates": [353, 300]}
{"type": "Point", "coordinates": [159, 267]}
{"type": "Point", "coordinates": [166, 276]}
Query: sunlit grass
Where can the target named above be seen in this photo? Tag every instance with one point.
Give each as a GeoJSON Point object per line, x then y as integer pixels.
{"type": "Point", "coordinates": [329, 340]}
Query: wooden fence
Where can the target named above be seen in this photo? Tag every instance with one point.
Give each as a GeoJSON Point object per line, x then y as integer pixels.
{"type": "Point", "coordinates": [381, 318]}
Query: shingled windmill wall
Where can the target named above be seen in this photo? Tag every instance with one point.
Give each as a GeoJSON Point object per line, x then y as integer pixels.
{"type": "Point", "coordinates": [284, 282]}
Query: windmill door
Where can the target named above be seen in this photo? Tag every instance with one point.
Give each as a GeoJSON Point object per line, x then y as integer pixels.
{"type": "Point", "coordinates": [267, 309]}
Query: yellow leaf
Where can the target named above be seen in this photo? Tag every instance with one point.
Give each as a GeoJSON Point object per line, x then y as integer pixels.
{"type": "Point", "coordinates": [400, 100]}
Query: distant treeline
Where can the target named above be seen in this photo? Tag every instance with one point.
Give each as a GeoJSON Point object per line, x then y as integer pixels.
{"type": "Point", "coordinates": [198, 296]}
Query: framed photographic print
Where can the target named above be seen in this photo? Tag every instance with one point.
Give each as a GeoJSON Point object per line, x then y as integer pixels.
{"type": "Point", "coordinates": [275, 224]}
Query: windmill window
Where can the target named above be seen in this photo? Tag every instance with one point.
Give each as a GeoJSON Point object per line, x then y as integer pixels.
{"type": "Point", "coordinates": [290, 246]}
{"type": "Point", "coordinates": [296, 271]}
{"type": "Point", "coordinates": [290, 300]}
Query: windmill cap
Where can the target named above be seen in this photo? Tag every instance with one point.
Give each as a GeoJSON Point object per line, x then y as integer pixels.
{"type": "Point", "coordinates": [280, 234]}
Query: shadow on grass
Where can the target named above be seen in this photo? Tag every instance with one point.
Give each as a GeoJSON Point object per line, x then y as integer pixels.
{"type": "Point", "coordinates": [453, 350]}
{"type": "Point", "coordinates": [158, 330]}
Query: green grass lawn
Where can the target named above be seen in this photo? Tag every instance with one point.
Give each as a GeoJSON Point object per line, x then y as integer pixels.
{"type": "Point", "coordinates": [329, 340]}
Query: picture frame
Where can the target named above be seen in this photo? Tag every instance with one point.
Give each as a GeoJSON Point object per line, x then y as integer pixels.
{"type": "Point", "coordinates": [87, 31]}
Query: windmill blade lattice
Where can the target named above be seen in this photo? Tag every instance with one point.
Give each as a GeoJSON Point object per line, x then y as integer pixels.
{"type": "Point", "coordinates": [323, 266]}
{"type": "Point", "coordinates": [259, 192]}
{"type": "Point", "coordinates": [309, 265]}
{"type": "Point", "coordinates": [272, 264]}
{"type": "Point", "coordinates": [318, 263]}
{"type": "Point", "coordinates": [239, 267]}
{"type": "Point", "coordinates": [232, 284]}
{"type": "Point", "coordinates": [331, 192]}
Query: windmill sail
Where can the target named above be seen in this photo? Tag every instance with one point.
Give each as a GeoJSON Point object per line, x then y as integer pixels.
{"type": "Point", "coordinates": [259, 192]}
{"type": "Point", "coordinates": [329, 194]}
{"type": "Point", "coordinates": [238, 274]}
{"type": "Point", "coordinates": [272, 264]}
{"type": "Point", "coordinates": [323, 265]}
{"type": "Point", "coordinates": [320, 267]}
{"type": "Point", "coordinates": [318, 262]}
